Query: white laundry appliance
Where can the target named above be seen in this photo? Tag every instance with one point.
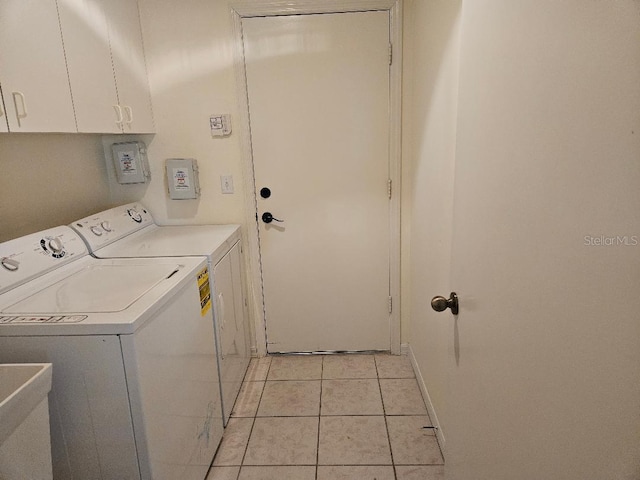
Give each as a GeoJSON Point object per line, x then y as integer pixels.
{"type": "Point", "coordinates": [129, 231]}
{"type": "Point", "coordinates": [135, 392]}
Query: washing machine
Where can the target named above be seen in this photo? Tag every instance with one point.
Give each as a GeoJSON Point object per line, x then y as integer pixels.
{"type": "Point", "coordinates": [129, 231]}
{"type": "Point", "coordinates": [135, 392]}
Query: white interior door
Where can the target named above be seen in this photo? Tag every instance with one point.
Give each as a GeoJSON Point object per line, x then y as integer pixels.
{"type": "Point", "coordinates": [319, 109]}
{"type": "Point", "coordinates": [545, 353]}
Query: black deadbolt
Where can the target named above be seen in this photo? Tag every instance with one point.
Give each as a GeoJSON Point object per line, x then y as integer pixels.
{"type": "Point", "coordinates": [265, 192]}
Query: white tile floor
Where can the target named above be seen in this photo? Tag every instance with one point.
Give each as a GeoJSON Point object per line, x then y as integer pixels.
{"type": "Point", "coordinates": [329, 417]}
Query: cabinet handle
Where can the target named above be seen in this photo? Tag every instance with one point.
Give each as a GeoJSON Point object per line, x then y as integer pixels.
{"type": "Point", "coordinates": [129, 112]}
{"type": "Point", "coordinates": [119, 118]}
{"type": "Point", "coordinates": [23, 104]}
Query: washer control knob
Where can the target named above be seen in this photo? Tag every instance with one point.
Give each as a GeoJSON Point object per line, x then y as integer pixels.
{"type": "Point", "coordinates": [135, 215]}
{"type": "Point", "coordinates": [9, 264]}
{"type": "Point", "coordinates": [106, 226]}
{"type": "Point", "coordinates": [96, 230]}
{"type": "Point", "coordinates": [55, 245]}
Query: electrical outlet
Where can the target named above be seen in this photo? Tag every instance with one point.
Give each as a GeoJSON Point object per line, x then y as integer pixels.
{"type": "Point", "coordinates": [226, 182]}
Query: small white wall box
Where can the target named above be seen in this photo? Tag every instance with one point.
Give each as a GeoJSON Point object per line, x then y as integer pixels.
{"type": "Point", "coordinates": [130, 162]}
{"type": "Point", "coordinates": [182, 178]}
{"type": "Point", "coordinates": [220, 124]}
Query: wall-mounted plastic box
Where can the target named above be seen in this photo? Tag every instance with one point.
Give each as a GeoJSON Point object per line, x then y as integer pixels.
{"type": "Point", "coordinates": [130, 162]}
{"type": "Point", "coordinates": [182, 178]}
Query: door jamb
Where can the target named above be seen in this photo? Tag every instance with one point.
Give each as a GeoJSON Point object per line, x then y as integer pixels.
{"type": "Point", "coordinates": [256, 8]}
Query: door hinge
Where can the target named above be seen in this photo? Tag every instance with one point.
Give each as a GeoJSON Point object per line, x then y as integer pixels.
{"type": "Point", "coordinates": [390, 54]}
{"type": "Point", "coordinates": [390, 304]}
{"type": "Point", "coordinates": [389, 187]}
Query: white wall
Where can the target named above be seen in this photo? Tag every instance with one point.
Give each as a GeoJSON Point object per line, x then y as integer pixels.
{"type": "Point", "coordinates": [49, 180]}
{"type": "Point", "coordinates": [430, 101]}
{"type": "Point", "coordinates": [189, 52]}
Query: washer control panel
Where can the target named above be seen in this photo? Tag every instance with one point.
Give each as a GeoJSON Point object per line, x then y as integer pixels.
{"type": "Point", "coordinates": [106, 227]}
{"type": "Point", "coordinates": [32, 255]}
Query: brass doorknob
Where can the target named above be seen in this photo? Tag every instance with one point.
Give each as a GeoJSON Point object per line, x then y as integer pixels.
{"type": "Point", "coordinates": [440, 304]}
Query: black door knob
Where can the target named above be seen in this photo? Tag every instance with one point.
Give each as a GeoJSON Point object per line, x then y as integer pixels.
{"type": "Point", "coordinates": [268, 218]}
{"type": "Point", "coordinates": [265, 192]}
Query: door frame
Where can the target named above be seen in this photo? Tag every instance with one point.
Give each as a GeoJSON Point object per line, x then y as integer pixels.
{"type": "Point", "coordinates": [257, 8]}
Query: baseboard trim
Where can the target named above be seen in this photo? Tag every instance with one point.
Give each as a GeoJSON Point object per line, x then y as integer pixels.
{"type": "Point", "coordinates": [407, 350]}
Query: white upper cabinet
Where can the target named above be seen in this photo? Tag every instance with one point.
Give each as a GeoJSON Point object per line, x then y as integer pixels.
{"type": "Point", "coordinates": [106, 64]}
{"type": "Point", "coordinates": [127, 52]}
{"type": "Point", "coordinates": [33, 74]}
{"type": "Point", "coordinates": [86, 43]}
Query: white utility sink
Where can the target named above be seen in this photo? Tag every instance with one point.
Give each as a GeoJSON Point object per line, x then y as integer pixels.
{"type": "Point", "coordinates": [25, 443]}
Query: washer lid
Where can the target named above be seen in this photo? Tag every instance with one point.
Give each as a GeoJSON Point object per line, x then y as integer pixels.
{"type": "Point", "coordinates": [175, 240]}
{"type": "Point", "coordinates": [95, 289]}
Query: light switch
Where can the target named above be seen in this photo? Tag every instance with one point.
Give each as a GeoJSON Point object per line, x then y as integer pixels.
{"type": "Point", "coordinates": [227, 183]}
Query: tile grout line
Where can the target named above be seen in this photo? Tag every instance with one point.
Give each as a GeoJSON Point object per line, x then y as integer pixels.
{"type": "Point", "coordinates": [246, 447]}
{"type": "Point", "coordinates": [386, 425]}
{"type": "Point", "coordinates": [319, 417]}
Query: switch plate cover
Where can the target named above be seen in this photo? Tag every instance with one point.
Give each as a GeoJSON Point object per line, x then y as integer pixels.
{"type": "Point", "coordinates": [226, 182]}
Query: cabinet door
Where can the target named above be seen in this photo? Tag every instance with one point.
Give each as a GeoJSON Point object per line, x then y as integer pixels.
{"type": "Point", "coordinates": [34, 80]}
{"type": "Point", "coordinates": [86, 43]}
{"type": "Point", "coordinates": [125, 36]}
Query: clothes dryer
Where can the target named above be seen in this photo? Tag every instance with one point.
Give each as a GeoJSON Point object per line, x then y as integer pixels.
{"type": "Point", "coordinates": [135, 391]}
{"type": "Point", "coordinates": [129, 231]}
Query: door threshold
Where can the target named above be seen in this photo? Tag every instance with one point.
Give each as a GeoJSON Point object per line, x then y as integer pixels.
{"type": "Point", "coordinates": [331, 352]}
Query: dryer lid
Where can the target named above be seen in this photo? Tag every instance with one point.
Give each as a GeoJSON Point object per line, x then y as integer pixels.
{"type": "Point", "coordinates": [96, 289]}
{"type": "Point", "coordinates": [167, 241]}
